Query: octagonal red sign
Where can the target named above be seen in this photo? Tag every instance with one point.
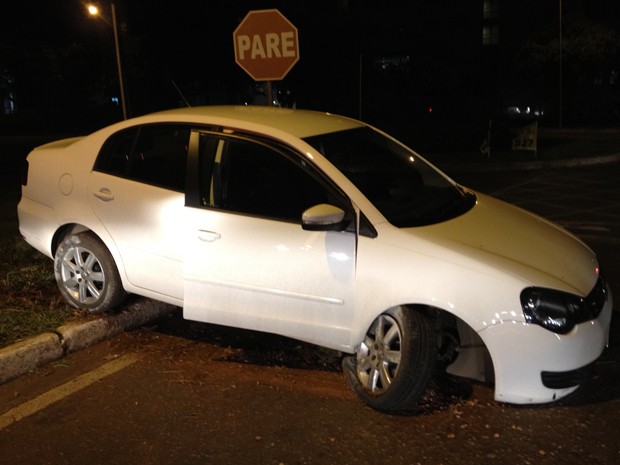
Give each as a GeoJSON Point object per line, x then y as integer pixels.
{"type": "Point", "coordinates": [266, 45]}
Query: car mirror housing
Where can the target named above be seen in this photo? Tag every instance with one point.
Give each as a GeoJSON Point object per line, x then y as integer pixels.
{"type": "Point", "coordinates": [323, 217]}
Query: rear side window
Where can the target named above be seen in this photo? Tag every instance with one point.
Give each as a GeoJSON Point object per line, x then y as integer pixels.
{"type": "Point", "coordinates": [152, 154]}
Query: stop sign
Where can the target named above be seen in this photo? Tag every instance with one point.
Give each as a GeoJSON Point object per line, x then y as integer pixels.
{"type": "Point", "coordinates": [266, 45]}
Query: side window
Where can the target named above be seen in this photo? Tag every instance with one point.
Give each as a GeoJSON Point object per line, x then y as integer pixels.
{"type": "Point", "coordinates": [116, 152]}
{"type": "Point", "coordinates": [160, 156]}
{"type": "Point", "coordinates": [152, 154]}
{"type": "Point", "coordinates": [252, 178]}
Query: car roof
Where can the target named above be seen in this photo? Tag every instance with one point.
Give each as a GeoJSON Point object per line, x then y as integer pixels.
{"type": "Point", "coordinates": [298, 123]}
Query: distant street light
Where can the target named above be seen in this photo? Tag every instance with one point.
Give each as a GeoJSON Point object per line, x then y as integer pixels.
{"type": "Point", "coordinates": [94, 11]}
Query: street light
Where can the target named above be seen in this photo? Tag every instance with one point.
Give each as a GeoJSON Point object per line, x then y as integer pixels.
{"type": "Point", "coordinates": [94, 11]}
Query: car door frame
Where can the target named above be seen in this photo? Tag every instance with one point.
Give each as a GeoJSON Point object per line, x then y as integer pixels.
{"type": "Point", "coordinates": [201, 294]}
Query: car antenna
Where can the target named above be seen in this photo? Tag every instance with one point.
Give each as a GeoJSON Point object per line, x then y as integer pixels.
{"type": "Point", "coordinates": [180, 93]}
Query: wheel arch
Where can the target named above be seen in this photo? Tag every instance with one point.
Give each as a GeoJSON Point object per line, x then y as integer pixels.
{"type": "Point", "coordinates": [462, 352]}
{"type": "Point", "coordinates": [85, 270]}
{"type": "Point", "coordinates": [66, 230]}
{"type": "Point", "coordinates": [77, 228]}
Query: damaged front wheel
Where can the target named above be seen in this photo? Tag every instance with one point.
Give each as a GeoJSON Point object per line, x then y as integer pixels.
{"type": "Point", "coordinates": [395, 362]}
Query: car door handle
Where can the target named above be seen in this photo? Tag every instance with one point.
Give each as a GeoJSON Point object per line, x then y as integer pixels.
{"type": "Point", "coordinates": [104, 194]}
{"type": "Point", "coordinates": [208, 236]}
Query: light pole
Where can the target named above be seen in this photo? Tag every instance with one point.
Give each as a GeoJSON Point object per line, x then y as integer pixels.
{"type": "Point", "coordinates": [561, 91]}
{"type": "Point", "coordinates": [94, 11]}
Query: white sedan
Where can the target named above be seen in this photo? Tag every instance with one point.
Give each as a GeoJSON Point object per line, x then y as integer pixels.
{"type": "Point", "coordinates": [321, 228]}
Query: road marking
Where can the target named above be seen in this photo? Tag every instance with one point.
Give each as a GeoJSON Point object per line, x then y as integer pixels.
{"type": "Point", "coordinates": [45, 400]}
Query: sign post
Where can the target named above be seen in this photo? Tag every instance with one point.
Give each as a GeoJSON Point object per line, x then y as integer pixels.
{"type": "Point", "coordinates": [266, 46]}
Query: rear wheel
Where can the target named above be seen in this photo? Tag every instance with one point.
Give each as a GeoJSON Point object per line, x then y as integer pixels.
{"type": "Point", "coordinates": [86, 274]}
{"type": "Point", "coordinates": [395, 362]}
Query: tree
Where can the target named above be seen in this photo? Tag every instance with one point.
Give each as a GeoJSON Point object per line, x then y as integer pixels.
{"type": "Point", "coordinates": [590, 53]}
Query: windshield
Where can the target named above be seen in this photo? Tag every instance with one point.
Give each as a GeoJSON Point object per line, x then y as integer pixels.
{"type": "Point", "coordinates": [407, 190]}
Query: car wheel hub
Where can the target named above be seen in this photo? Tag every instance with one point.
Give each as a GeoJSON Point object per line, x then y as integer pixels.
{"type": "Point", "coordinates": [379, 356]}
{"type": "Point", "coordinates": [82, 275]}
{"type": "Point", "coordinates": [376, 356]}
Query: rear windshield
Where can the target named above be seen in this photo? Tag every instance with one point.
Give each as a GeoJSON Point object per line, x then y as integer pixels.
{"type": "Point", "coordinates": [407, 190]}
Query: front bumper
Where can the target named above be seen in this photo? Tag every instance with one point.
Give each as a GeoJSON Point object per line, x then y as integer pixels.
{"type": "Point", "coordinates": [566, 379]}
{"type": "Point", "coordinates": [535, 365]}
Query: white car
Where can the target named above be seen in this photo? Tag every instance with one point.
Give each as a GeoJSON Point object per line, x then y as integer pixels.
{"type": "Point", "coordinates": [320, 228]}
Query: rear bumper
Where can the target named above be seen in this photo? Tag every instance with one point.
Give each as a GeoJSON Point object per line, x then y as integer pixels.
{"type": "Point", "coordinates": [37, 224]}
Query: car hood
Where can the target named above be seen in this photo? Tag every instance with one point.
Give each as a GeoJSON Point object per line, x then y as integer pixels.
{"type": "Point", "coordinates": [517, 242]}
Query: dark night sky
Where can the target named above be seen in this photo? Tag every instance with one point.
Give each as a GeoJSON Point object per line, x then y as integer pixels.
{"type": "Point", "coordinates": [186, 41]}
{"type": "Point", "coordinates": [190, 42]}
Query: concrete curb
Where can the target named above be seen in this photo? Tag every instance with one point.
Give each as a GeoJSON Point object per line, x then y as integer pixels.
{"type": "Point", "coordinates": [24, 356]}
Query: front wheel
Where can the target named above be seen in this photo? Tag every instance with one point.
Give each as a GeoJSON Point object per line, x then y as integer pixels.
{"type": "Point", "coordinates": [395, 362]}
{"type": "Point", "coordinates": [86, 274]}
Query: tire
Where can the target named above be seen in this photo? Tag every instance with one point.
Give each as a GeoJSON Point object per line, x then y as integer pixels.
{"type": "Point", "coordinates": [395, 362]}
{"type": "Point", "coordinates": [87, 275]}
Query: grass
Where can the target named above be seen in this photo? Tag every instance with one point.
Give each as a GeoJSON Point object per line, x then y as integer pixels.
{"type": "Point", "coordinates": [29, 299]}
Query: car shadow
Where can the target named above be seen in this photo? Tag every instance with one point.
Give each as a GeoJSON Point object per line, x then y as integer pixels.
{"type": "Point", "coordinates": [264, 349]}
{"type": "Point", "coordinates": [253, 347]}
{"type": "Point", "coordinates": [444, 391]}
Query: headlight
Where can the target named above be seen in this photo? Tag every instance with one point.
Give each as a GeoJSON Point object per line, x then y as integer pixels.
{"type": "Point", "coordinates": [560, 311]}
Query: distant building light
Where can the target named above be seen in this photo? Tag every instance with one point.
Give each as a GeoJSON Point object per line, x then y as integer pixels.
{"type": "Point", "coordinates": [9, 106]}
{"type": "Point", "coordinates": [524, 112]}
{"type": "Point", "coordinates": [490, 9]}
{"type": "Point", "coordinates": [392, 63]}
{"type": "Point", "coordinates": [490, 34]}
{"type": "Point", "coordinates": [490, 17]}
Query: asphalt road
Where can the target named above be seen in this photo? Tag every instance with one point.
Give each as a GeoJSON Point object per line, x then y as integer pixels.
{"type": "Point", "coordinates": [585, 200]}
{"type": "Point", "coordinates": [187, 393]}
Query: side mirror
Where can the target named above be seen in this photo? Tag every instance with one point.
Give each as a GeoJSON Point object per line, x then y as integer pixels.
{"type": "Point", "coordinates": [323, 217]}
